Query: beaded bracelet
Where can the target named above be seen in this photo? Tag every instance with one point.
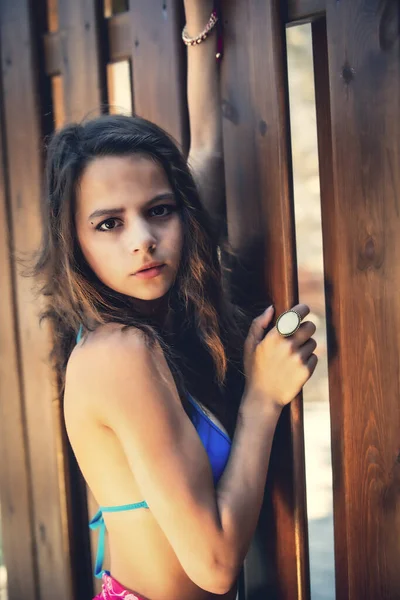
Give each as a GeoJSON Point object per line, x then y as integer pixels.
{"type": "Point", "coordinates": [204, 34]}
{"type": "Point", "coordinates": [212, 22]}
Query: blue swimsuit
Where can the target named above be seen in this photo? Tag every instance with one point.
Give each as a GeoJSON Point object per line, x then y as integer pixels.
{"type": "Point", "coordinates": [217, 445]}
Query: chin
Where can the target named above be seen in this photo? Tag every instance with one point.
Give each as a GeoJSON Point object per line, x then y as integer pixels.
{"type": "Point", "coordinates": [149, 294]}
{"type": "Point", "coordinates": [148, 297]}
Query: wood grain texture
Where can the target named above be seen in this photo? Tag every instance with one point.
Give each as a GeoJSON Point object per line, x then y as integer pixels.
{"type": "Point", "coordinates": [119, 37]}
{"type": "Point", "coordinates": [157, 65]}
{"type": "Point", "coordinates": [361, 224]}
{"type": "Point", "coordinates": [304, 10]}
{"type": "Point", "coordinates": [115, 43]}
{"type": "Point", "coordinates": [24, 110]}
{"type": "Point", "coordinates": [261, 231]}
{"type": "Point", "coordinates": [330, 241]}
{"type": "Point", "coordinates": [82, 39]}
{"type": "Point", "coordinates": [119, 32]}
{"type": "Point", "coordinates": [52, 49]}
{"type": "Point", "coordinates": [15, 480]}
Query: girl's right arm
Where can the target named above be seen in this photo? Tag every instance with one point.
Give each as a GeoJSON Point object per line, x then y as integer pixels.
{"type": "Point", "coordinates": [128, 387]}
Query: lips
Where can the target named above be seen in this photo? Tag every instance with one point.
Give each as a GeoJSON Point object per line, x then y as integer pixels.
{"type": "Point", "coordinates": [150, 271]}
{"type": "Point", "coordinates": [149, 266]}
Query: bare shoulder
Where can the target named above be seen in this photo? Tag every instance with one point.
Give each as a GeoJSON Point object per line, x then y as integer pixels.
{"type": "Point", "coordinates": [112, 359]}
{"type": "Point", "coordinates": [112, 343]}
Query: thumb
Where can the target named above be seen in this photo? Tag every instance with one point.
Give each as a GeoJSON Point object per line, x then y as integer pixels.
{"type": "Point", "coordinates": [259, 325]}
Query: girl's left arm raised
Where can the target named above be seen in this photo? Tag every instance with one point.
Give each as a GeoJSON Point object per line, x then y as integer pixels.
{"type": "Point", "coordinates": [206, 153]}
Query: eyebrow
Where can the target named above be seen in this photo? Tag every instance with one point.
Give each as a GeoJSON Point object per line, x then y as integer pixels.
{"type": "Point", "coordinates": [118, 211]}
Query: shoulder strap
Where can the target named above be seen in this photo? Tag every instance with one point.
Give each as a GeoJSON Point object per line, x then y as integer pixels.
{"type": "Point", "coordinates": [80, 334]}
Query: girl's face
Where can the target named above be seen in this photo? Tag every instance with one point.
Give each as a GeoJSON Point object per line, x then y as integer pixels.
{"type": "Point", "coordinates": [127, 220]}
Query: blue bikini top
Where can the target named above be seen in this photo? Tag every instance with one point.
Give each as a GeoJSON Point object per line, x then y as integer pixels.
{"type": "Point", "coordinates": [217, 445]}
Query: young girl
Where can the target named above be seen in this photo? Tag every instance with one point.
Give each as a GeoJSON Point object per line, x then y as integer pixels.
{"type": "Point", "coordinates": [170, 415]}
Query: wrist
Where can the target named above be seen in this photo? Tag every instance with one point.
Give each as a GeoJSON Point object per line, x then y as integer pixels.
{"type": "Point", "coordinates": [256, 405]}
{"type": "Point", "coordinates": [197, 15]}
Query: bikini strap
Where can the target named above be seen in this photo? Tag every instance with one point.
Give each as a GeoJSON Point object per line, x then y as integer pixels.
{"type": "Point", "coordinates": [95, 523]}
{"type": "Point", "coordinates": [80, 334]}
{"type": "Point", "coordinates": [98, 523]}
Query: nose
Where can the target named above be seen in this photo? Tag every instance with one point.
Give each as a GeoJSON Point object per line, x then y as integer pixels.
{"type": "Point", "coordinates": [141, 237]}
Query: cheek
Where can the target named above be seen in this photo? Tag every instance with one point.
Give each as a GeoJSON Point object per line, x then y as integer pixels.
{"type": "Point", "coordinates": [87, 250]}
{"type": "Point", "coordinates": [93, 253]}
{"type": "Point", "coordinates": [177, 240]}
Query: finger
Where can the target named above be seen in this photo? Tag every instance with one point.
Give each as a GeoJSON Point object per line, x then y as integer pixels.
{"type": "Point", "coordinates": [312, 363]}
{"type": "Point", "coordinates": [302, 309]}
{"type": "Point", "coordinates": [259, 325]}
{"type": "Point", "coordinates": [306, 350]}
{"type": "Point", "coordinates": [303, 334]}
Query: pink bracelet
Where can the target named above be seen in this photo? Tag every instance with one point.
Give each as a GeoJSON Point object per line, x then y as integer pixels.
{"type": "Point", "coordinates": [212, 22]}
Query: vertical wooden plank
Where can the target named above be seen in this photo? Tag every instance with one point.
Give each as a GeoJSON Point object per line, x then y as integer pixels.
{"type": "Point", "coordinates": [113, 7]}
{"type": "Point", "coordinates": [82, 35]}
{"type": "Point", "coordinates": [57, 92]}
{"type": "Point", "coordinates": [52, 15]}
{"type": "Point", "coordinates": [157, 65]}
{"type": "Point", "coordinates": [363, 259]}
{"type": "Point", "coordinates": [261, 231]}
{"type": "Point", "coordinates": [15, 483]}
{"type": "Point", "coordinates": [304, 10]}
{"type": "Point", "coordinates": [23, 118]}
{"type": "Point", "coordinates": [83, 39]}
{"type": "Point", "coordinates": [331, 272]}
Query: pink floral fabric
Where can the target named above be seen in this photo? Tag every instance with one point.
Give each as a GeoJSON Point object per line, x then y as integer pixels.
{"type": "Point", "coordinates": [112, 590]}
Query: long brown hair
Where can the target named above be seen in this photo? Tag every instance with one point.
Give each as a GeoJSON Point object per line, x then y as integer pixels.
{"type": "Point", "coordinates": [204, 351]}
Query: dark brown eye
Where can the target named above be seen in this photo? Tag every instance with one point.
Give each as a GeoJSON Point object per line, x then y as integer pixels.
{"type": "Point", "coordinates": [162, 210]}
{"type": "Point", "coordinates": [107, 225]}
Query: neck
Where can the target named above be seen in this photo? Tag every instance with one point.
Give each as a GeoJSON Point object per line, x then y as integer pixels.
{"type": "Point", "coordinates": [156, 310]}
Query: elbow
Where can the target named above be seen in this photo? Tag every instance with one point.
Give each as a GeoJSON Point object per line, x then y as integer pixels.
{"type": "Point", "coordinates": [221, 584]}
{"type": "Point", "coordinates": [206, 156]}
{"type": "Point", "coordinates": [221, 578]}
{"type": "Point", "coordinates": [215, 577]}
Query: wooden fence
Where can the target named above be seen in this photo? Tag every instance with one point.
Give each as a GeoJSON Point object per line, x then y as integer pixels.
{"type": "Point", "coordinates": [54, 59]}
